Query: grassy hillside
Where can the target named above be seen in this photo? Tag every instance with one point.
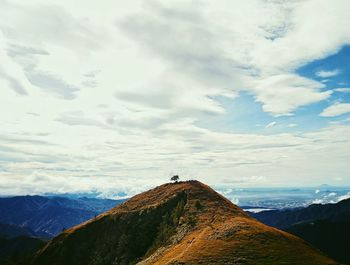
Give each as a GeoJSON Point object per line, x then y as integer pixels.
{"type": "Point", "coordinates": [179, 223]}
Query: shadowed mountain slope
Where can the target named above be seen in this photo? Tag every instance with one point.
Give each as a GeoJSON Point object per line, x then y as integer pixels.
{"type": "Point", "coordinates": [332, 237]}
{"type": "Point", "coordinates": [18, 250]}
{"type": "Point", "coordinates": [325, 226]}
{"type": "Point", "coordinates": [179, 223]}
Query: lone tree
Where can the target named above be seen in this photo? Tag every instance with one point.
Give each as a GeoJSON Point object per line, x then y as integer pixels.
{"type": "Point", "coordinates": [175, 178]}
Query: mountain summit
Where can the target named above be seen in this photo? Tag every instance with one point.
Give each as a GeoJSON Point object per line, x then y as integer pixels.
{"type": "Point", "coordinates": [177, 223]}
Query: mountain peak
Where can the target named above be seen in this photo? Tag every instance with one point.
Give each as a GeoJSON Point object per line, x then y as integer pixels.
{"type": "Point", "coordinates": [177, 223]}
{"type": "Point", "coordinates": [194, 189]}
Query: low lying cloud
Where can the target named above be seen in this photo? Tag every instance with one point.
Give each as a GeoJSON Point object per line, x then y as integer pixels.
{"type": "Point", "coordinates": [115, 163]}
{"type": "Point", "coordinates": [344, 197]}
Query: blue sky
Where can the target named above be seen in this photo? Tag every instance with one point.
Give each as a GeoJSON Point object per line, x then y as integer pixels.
{"type": "Point", "coordinates": [116, 98]}
{"type": "Point", "coordinates": [244, 114]}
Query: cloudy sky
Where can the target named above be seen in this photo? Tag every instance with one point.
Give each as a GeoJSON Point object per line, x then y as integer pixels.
{"type": "Point", "coordinates": [117, 96]}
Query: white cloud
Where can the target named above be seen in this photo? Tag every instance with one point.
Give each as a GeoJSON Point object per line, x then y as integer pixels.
{"type": "Point", "coordinates": [336, 110]}
{"type": "Point", "coordinates": [284, 93]}
{"type": "Point", "coordinates": [325, 74]}
{"type": "Point", "coordinates": [247, 46]}
{"type": "Point", "coordinates": [342, 89]}
{"type": "Point", "coordinates": [318, 201]}
{"type": "Point", "coordinates": [344, 197]}
{"type": "Point", "coordinates": [100, 97]}
{"type": "Point", "coordinates": [115, 162]}
{"type": "Point", "coordinates": [271, 124]}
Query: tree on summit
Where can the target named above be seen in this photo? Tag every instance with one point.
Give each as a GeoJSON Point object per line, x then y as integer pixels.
{"type": "Point", "coordinates": [175, 178]}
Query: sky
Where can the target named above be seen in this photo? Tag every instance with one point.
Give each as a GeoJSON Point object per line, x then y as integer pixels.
{"type": "Point", "coordinates": [115, 97]}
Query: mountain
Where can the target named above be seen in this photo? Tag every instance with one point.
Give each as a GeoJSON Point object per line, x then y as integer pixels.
{"type": "Point", "coordinates": [177, 223]}
{"type": "Point", "coordinates": [8, 231]}
{"type": "Point", "coordinates": [48, 216]}
{"type": "Point", "coordinates": [326, 226]}
{"type": "Point", "coordinates": [285, 218]}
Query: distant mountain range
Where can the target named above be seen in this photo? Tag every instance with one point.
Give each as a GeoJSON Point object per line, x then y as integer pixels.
{"type": "Point", "coordinates": [8, 231]}
{"type": "Point", "coordinates": [47, 216]}
{"type": "Point", "coordinates": [285, 218]}
{"type": "Point", "coordinates": [26, 222]}
{"type": "Point", "coordinates": [326, 226]}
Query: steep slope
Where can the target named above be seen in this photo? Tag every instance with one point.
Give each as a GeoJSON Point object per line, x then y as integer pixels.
{"type": "Point", "coordinates": [47, 216]}
{"type": "Point", "coordinates": [325, 226]}
{"type": "Point", "coordinates": [332, 237]}
{"type": "Point", "coordinates": [180, 223]}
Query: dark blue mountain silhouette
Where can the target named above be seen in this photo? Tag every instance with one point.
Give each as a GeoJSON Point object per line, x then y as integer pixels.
{"type": "Point", "coordinates": [325, 226]}
{"type": "Point", "coordinates": [48, 216]}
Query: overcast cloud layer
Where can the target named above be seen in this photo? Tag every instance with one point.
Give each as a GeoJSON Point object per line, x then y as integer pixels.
{"type": "Point", "coordinates": [112, 96]}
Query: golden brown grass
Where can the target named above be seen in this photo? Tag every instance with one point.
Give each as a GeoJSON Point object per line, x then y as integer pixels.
{"type": "Point", "coordinates": [210, 230]}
